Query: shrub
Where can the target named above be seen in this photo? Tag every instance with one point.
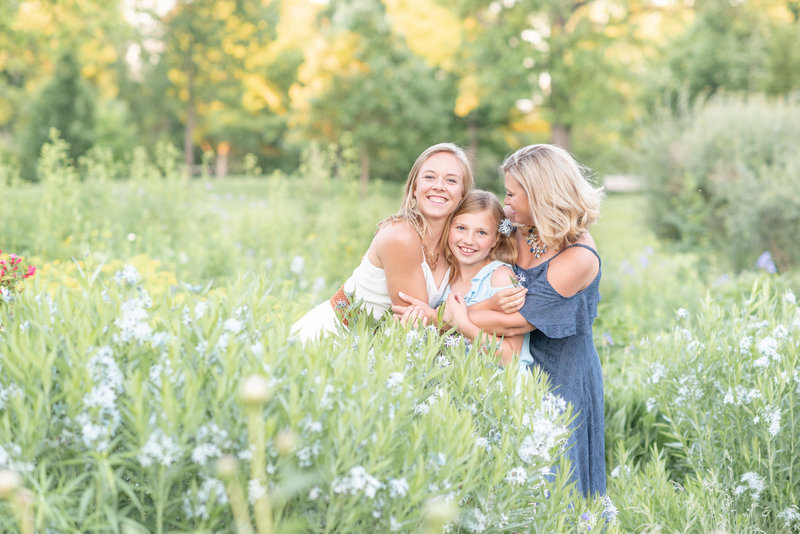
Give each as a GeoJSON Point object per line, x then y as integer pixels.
{"type": "Point", "coordinates": [724, 175]}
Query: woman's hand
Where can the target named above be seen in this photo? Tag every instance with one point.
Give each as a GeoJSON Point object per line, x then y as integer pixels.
{"type": "Point", "coordinates": [508, 300]}
{"type": "Point", "coordinates": [416, 313]}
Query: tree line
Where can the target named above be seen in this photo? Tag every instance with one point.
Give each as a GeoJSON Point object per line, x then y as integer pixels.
{"type": "Point", "coordinates": [227, 78]}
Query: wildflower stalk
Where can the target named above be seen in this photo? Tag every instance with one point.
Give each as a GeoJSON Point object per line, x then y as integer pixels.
{"type": "Point", "coordinates": [20, 499]}
{"type": "Point", "coordinates": [256, 393]}
{"type": "Point", "coordinates": [258, 469]}
{"type": "Point", "coordinates": [226, 467]}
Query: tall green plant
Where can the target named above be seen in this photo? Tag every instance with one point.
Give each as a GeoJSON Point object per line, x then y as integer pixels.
{"type": "Point", "coordinates": [723, 175]}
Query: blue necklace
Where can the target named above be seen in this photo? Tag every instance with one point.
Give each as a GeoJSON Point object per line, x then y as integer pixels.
{"type": "Point", "coordinates": [533, 242]}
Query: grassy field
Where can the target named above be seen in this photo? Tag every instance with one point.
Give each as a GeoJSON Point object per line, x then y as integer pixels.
{"type": "Point", "coordinates": [128, 403]}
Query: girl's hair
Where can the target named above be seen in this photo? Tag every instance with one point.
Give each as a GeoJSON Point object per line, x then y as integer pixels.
{"type": "Point", "coordinates": [478, 200]}
{"type": "Point", "coordinates": [562, 200]}
{"type": "Point", "coordinates": [408, 210]}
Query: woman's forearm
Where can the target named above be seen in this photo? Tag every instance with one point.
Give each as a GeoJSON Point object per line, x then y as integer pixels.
{"type": "Point", "coordinates": [498, 323]}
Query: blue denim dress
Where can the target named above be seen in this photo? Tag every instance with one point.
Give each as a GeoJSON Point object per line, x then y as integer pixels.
{"type": "Point", "coordinates": [563, 347]}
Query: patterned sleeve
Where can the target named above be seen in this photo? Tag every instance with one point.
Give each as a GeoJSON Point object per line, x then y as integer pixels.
{"type": "Point", "coordinates": [555, 315]}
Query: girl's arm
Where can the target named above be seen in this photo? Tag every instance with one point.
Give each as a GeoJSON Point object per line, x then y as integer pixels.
{"type": "Point", "coordinates": [455, 314]}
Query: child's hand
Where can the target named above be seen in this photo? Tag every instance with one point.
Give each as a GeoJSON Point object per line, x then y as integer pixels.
{"type": "Point", "coordinates": [508, 300]}
{"type": "Point", "coordinates": [455, 310]}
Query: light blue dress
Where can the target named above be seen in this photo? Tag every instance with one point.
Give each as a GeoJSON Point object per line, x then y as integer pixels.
{"type": "Point", "coordinates": [481, 289]}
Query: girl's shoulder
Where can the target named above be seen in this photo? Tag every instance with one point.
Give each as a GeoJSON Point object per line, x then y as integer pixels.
{"type": "Point", "coordinates": [502, 275]}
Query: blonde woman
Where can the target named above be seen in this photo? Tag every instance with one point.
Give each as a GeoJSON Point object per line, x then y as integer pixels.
{"type": "Point", "coordinates": [406, 253]}
{"type": "Point", "coordinates": [552, 204]}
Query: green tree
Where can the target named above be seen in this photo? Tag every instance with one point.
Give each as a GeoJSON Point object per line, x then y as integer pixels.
{"type": "Point", "coordinates": [743, 47]}
{"type": "Point", "coordinates": [66, 103]}
{"type": "Point", "coordinates": [390, 101]}
{"type": "Point", "coordinates": [544, 69]}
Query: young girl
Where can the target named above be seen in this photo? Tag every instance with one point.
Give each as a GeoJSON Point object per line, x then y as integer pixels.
{"type": "Point", "coordinates": [479, 256]}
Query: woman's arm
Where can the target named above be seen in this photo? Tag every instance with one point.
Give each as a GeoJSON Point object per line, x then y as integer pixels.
{"type": "Point", "coordinates": [397, 249]}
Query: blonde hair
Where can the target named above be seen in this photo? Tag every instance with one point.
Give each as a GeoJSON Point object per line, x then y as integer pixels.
{"type": "Point", "coordinates": [478, 200]}
{"type": "Point", "coordinates": [562, 201]}
{"type": "Point", "coordinates": [409, 211]}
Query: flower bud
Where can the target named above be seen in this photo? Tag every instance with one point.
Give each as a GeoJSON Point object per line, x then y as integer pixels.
{"type": "Point", "coordinates": [285, 442]}
{"type": "Point", "coordinates": [438, 512]}
{"type": "Point", "coordinates": [9, 482]}
{"type": "Point", "coordinates": [256, 390]}
{"type": "Point", "coordinates": [226, 467]}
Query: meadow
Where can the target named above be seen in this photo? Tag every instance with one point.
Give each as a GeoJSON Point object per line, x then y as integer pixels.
{"type": "Point", "coordinates": [148, 382]}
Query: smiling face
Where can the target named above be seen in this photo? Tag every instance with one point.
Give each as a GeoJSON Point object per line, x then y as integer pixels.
{"type": "Point", "coordinates": [439, 186]}
{"type": "Point", "coordinates": [472, 237]}
{"type": "Point", "coordinates": [517, 206]}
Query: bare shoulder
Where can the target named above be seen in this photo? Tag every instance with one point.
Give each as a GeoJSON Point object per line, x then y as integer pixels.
{"type": "Point", "coordinates": [397, 238]}
{"type": "Point", "coordinates": [502, 277]}
{"type": "Point", "coordinates": [574, 269]}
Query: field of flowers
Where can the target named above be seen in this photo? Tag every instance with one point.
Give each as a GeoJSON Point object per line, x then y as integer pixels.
{"type": "Point", "coordinates": [148, 382]}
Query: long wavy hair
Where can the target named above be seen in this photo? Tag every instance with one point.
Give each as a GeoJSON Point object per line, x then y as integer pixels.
{"type": "Point", "coordinates": [476, 201]}
{"type": "Point", "coordinates": [562, 200]}
{"type": "Point", "coordinates": [409, 211]}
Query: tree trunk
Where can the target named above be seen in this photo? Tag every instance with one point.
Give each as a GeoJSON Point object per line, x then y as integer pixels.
{"type": "Point", "coordinates": [364, 178]}
{"type": "Point", "coordinates": [560, 135]}
{"type": "Point", "coordinates": [223, 149]}
{"type": "Point", "coordinates": [188, 137]}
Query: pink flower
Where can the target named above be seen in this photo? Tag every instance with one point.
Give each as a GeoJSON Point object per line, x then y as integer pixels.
{"type": "Point", "coordinates": [31, 271]}
{"type": "Point", "coordinates": [14, 259]}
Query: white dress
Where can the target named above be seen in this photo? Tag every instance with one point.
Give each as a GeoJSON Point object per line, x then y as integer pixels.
{"type": "Point", "coordinates": [367, 284]}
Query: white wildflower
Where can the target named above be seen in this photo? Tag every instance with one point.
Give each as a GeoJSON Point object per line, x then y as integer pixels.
{"type": "Point", "coordinates": [307, 455]}
{"type": "Point", "coordinates": [234, 326]}
{"type": "Point", "coordinates": [395, 383]}
{"type": "Point", "coordinates": [200, 309]}
{"type": "Point", "coordinates": [620, 471]}
{"type": "Point", "coordinates": [398, 487]}
{"type": "Point", "coordinates": [205, 451]}
{"type": "Point", "coordinates": [752, 483]}
{"type": "Point", "coordinates": [745, 344]}
{"type": "Point", "coordinates": [769, 347]}
{"type": "Point", "coordinates": [791, 299]}
{"type": "Point", "coordinates": [255, 490]}
{"type": "Point", "coordinates": [650, 404]}
{"type": "Point", "coordinates": [772, 416]}
{"type": "Point", "coordinates": [682, 313]}
{"type": "Point", "coordinates": [791, 514]}
{"type": "Point", "coordinates": [128, 275]}
{"type": "Point", "coordinates": [159, 449]}
{"type": "Point", "coordinates": [761, 362]}
{"type": "Point", "coordinates": [310, 426]}
{"type": "Point", "coordinates": [315, 493]}
{"type": "Point", "coordinates": [517, 476]}
{"type": "Point", "coordinates": [422, 409]}
{"type": "Point", "coordinates": [474, 520]}
{"type": "Point", "coordinates": [133, 322]}
{"type": "Point", "coordinates": [482, 443]}
{"type": "Point", "coordinates": [452, 340]}
{"type": "Point", "coordinates": [298, 265]}
{"type": "Point", "coordinates": [357, 480]}
{"type": "Point", "coordinates": [780, 332]}
{"type": "Point", "coordinates": [657, 372]}
{"type": "Point", "coordinates": [610, 511]}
